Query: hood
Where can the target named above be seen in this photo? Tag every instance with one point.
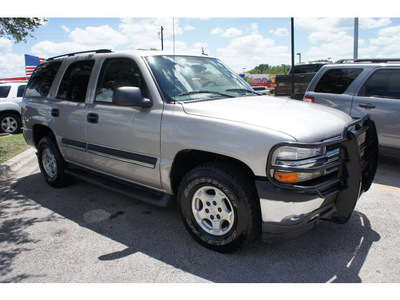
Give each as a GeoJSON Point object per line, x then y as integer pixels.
{"type": "Point", "coordinates": [306, 122]}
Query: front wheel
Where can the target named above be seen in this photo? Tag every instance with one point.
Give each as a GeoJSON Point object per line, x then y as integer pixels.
{"type": "Point", "coordinates": [219, 206]}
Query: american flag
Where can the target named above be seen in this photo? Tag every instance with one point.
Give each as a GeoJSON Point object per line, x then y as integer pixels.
{"type": "Point", "coordinates": [31, 62]}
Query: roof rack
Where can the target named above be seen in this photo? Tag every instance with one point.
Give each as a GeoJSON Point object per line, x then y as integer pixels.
{"type": "Point", "coordinates": [88, 51]}
{"type": "Point", "coordinates": [368, 60]}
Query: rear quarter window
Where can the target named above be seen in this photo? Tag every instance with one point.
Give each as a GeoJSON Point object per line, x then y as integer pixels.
{"type": "Point", "coordinates": [336, 81]}
{"type": "Point", "coordinates": [42, 78]}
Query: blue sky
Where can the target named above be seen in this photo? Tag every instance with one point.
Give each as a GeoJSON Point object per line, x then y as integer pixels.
{"type": "Point", "coordinates": [241, 42]}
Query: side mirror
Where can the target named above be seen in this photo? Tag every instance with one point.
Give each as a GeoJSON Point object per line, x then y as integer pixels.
{"type": "Point", "coordinates": [130, 96]}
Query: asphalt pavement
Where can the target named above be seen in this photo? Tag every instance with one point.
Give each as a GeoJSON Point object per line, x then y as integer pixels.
{"type": "Point", "coordinates": [83, 233]}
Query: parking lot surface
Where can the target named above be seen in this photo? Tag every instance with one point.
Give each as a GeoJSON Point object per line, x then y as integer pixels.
{"type": "Point", "coordinates": [84, 233]}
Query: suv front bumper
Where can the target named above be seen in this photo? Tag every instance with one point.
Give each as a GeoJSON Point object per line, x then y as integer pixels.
{"type": "Point", "coordinates": [291, 209]}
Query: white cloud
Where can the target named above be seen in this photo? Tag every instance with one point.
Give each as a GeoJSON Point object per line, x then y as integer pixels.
{"type": "Point", "coordinates": [145, 33]}
{"type": "Point", "coordinates": [232, 32]}
{"type": "Point", "coordinates": [387, 42]}
{"type": "Point", "coordinates": [217, 31]}
{"type": "Point", "coordinates": [370, 23]}
{"type": "Point", "coordinates": [280, 31]}
{"type": "Point", "coordinates": [229, 33]}
{"type": "Point", "coordinates": [65, 28]}
{"type": "Point", "coordinates": [136, 33]}
{"type": "Point", "coordinates": [82, 39]}
{"type": "Point", "coordinates": [251, 50]}
{"type": "Point", "coordinates": [5, 45]}
{"type": "Point", "coordinates": [326, 37]}
{"type": "Point", "coordinates": [188, 28]}
{"type": "Point", "coordinates": [12, 65]}
{"type": "Point", "coordinates": [311, 25]}
{"type": "Point", "coordinates": [390, 31]}
{"type": "Point", "coordinates": [100, 37]}
{"type": "Point", "coordinates": [335, 50]}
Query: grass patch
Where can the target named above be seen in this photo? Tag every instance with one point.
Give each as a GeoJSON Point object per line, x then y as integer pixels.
{"type": "Point", "coordinates": [11, 146]}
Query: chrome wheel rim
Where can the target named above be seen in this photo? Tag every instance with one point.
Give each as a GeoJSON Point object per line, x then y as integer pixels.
{"type": "Point", "coordinates": [9, 124]}
{"type": "Point", "coordinates": [212, 210]}
{"type": "Point", "coordinates": [49, 163]}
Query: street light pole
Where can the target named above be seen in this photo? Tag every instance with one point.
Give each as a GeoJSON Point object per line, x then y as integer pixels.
{"type": "Point", "coordinates": [355, 53]}
{"type": "Point", "coordinates": [292, 69]}
{"type": "Point", "coordinates": [162, 38]}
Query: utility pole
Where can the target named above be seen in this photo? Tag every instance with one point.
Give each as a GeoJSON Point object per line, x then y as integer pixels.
{"type": "Point", "coordinates": [355, 53]}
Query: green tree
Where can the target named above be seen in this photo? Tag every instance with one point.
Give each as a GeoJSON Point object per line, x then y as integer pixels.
{"type": "Point", "coordinates": [19, 29]}
{"type": "Point", "coordinates": [267, 69]}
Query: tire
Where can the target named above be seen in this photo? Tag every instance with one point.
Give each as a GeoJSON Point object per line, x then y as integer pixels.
{"type": "Point", "coordinates": [10, 123]}
{"type": "Point", "coordinates": [219, 207]}
{"type": "Point", "coordinates": [52, 165]}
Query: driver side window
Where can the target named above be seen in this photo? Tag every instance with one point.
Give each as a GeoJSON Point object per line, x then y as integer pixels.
{"type": "Point", "coordinates": [115, 73]}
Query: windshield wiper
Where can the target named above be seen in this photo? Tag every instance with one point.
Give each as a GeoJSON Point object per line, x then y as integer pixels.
{"type": "Point", "coordinates": [204, 92]}
{"type": "Point", "coordinates": [242, 90]}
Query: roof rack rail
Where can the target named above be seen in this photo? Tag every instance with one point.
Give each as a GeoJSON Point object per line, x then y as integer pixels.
{"type": "Point", "coordinates": [367, 60]}
{"type": "Point", "coordinates": [88, 51]}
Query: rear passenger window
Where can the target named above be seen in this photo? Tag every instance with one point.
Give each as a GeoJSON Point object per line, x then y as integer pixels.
{"type": "Point", "coordinates": [336, 81]}
{"type": "Point", "coordinates": [42, 78]}
{"type": "Point", "coordinates": [383, 83]}
{"type": "Point", "coordinates": [74, 84]}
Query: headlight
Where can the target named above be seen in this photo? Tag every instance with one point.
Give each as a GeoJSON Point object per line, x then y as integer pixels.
{"type": "Point", "coordinates": [295, 157]}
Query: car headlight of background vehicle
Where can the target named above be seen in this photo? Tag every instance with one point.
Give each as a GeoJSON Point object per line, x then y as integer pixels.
{"type": "Point", "coordinates": [289, 161]}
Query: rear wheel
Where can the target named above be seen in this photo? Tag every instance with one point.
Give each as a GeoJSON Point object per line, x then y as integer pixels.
{"type": "Point", "coordinates": [219, 207]}
{"type": "Point", "coordinates": [52, 164]}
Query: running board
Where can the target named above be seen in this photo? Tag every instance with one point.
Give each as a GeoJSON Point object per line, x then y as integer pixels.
{"type": "Point", "coordinates": [130, 189]}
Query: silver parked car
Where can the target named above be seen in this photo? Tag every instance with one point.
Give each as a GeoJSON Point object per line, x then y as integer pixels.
{"type": "Point", "coordinates": [162, 127]}
{"type": "Point", "coordinates": [365, 86]}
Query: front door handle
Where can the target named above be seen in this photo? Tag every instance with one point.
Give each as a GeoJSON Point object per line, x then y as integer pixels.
{"type": "Point", "coordinates": [367, 105]}
{"type": "Point", "coordinates": [92, 118]}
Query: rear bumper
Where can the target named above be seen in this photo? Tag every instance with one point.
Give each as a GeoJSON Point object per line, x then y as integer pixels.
{"type": "Point", "coordinates": [289, 209]}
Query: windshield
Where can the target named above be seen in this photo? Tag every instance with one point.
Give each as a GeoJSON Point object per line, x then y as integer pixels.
{"type": "Point", "coordinates": [184, 78]}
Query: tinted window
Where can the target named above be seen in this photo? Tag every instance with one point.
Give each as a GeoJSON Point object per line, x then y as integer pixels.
{"type": "Point", "coordinates": [21, 90]}
{"type": "Point", "coordinates": [336, 81]}
{"type": "Point", "coordinates": [40, 82]}
{"type": "Point", "coordinates": [4, 90]}
{"type": "Point", "coordinates": [74, 84]}
{"type": "Point", "coordinates": [116, 73]}
{"type": "Point", "coordinates": [383, 83]}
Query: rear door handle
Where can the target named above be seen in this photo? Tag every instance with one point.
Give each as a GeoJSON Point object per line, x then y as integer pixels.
{"type": "Point", "coordinates": [92, 118]}
{"type": "Point", "coordinates": [367, 105]}
{"type": "Point", "coordinates": [55, 112]}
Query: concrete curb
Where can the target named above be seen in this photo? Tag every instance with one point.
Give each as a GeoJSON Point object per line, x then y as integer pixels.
{"type": "Point", "coordinates": [16, 163]}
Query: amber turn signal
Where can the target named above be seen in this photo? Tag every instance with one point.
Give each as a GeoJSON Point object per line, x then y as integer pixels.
{"type": "Point", "coordinates": [286, 177]}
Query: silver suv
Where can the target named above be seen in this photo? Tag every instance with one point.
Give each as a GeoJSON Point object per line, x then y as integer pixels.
{"type": "Point", "coordinates": [365, 86]}
{"type": "Point", "coordinates": [10, 106]}
{"type": "Point", "coordinates": [162, 127]}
